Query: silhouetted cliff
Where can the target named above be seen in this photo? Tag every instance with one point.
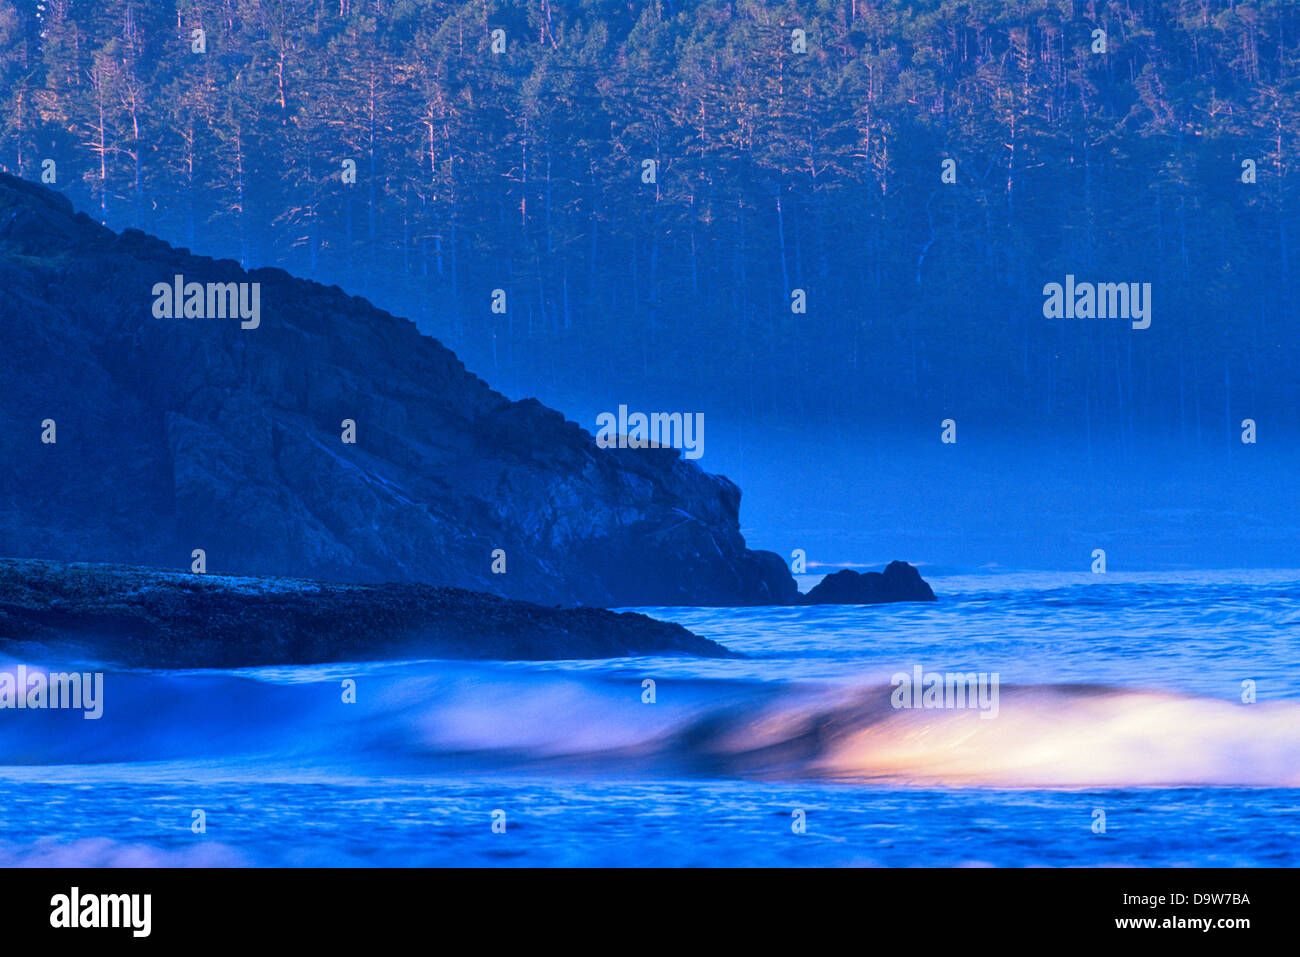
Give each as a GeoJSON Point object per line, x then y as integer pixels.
{"type": "Point", "coordinates": [176, 434]}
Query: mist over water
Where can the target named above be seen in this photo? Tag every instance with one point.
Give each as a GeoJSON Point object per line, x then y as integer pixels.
{"type": "Point", "coordinates": [816, 287]}
{"type": "Point", "coordinates": [1002, 496]}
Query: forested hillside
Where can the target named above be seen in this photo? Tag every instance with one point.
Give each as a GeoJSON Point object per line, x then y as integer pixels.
{"type": "Point", "coordinates": [776, 170]}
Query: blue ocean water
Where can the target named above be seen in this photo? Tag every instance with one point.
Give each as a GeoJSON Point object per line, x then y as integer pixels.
{"type": "Point", "coordinates": [1120, 698]}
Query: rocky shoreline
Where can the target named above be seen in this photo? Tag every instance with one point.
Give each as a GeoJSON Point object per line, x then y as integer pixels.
{"type": "Point", "coordinates": [151, 618]}
{"type": "Point", "coordinates": [158, 618]}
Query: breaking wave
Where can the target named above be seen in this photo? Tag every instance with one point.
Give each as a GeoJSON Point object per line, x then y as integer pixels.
{"type": "Point", "coordinates": [420, 717]}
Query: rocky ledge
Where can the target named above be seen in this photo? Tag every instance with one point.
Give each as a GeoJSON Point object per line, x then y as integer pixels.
{"type": "Point", "coordinates": [141, 617]}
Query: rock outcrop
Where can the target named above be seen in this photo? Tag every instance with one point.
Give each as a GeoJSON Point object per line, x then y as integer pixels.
{"type": "Point", "coordinates": [176, 434]}
{"type": "Point", "coordinates": [142, 617]}
{"type": "Point", "coordinates": [899, 582]}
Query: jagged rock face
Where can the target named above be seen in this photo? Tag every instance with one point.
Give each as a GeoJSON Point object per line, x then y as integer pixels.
{"type": "Point", "coordinates": [899, 582]}
{"type": "Point", "coordinates": [185, 433]}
